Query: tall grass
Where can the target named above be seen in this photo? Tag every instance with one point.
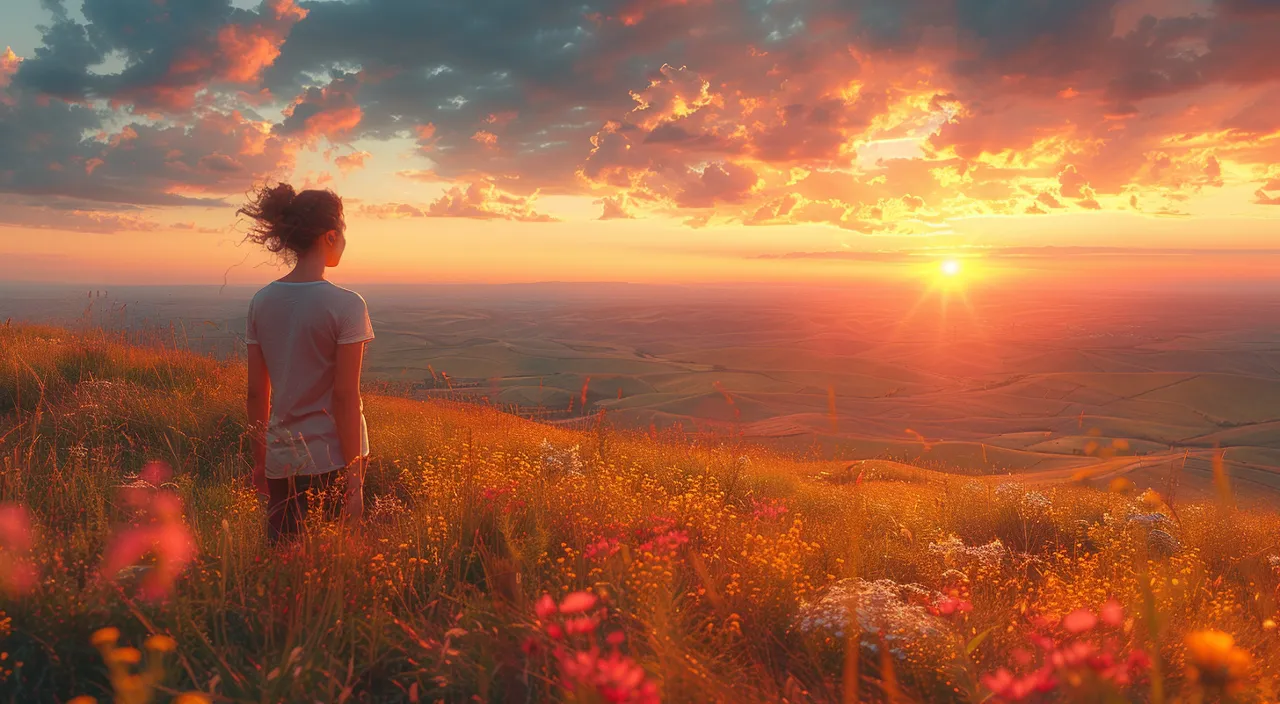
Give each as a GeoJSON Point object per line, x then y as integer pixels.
{"type": "Point", "coordinates": [730, 574]}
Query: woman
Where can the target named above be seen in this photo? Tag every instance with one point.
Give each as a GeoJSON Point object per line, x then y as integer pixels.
{"type": "Point", "coordinates": [306, 341]}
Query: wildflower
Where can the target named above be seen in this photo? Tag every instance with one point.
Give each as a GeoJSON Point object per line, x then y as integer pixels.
{"type": "Point", "coordinates": [578, 602]}
{"type": "Point", "coordinates": [546, 607]}
{"type": "Point", "coordinates": [895, 611]}
{"type": "Point", "coordinates": [556, 461]}
{"type": "Point", "coordinates": [767, 509]}
{"type": "Point", "coordinates": [666, 542]}
{"type": "Point", "coordinates": [954, 551]}
{"type": "Point", "coordinates": [1006, 686]}
{"type": "Point", "coordinates": [17, 574]}
{"type": "Point", "coordinates": [1079, 621]}
{"type": "Point", "coordinates": [1079, 657]}
{"type": "Point", "coordinates": [125, 656]}
{"type": "Point", "coordinates": [161, 644]}
{"type": "Point", "coordinates": [1214, 661]}
{"type": "Point", "coordinates": [105, 637]}
{"type": "Point", "coordinates": [162, 533]}
{"type": "Point", "coordinates": [1035, 500]}
{"type": "Point", "coordinates": [1112, 613]}
{"type": "Point", "coordinates": [605, 547]}
{"type": "Point", "coordinates": [1162, 544]}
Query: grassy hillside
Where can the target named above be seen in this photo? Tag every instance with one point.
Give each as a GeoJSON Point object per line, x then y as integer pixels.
{"type": "Point", "coordinates": [503, 560]}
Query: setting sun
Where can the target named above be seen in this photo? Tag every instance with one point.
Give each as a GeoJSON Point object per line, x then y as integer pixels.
{"type": "Point", "coordinates": [950, 267]}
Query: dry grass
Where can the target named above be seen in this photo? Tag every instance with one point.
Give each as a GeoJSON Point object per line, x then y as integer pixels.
{"type": "Point", "coordinates": [733, 574]}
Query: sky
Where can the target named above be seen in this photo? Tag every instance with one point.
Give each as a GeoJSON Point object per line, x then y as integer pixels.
{"type": "Point", "coordinates": [642, 140]}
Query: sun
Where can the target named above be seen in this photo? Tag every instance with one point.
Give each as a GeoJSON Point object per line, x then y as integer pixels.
{"type": "Point", "coordinates": [950, 267]}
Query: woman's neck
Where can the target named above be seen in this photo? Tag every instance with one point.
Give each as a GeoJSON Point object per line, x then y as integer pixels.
{"type": "Point", "coordinates": [308, 268]}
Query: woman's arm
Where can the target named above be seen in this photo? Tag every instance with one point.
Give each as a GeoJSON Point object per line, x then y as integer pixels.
{"type": "Point", "coordinates": [347, 415]}
{"type": "Point", "coordinates": [259, 409]}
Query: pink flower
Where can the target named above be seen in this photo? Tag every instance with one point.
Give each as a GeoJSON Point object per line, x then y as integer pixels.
{"type": "Point", "coordinates": [160, 533]}
{"type": "Point", "coordinates": [580, 625]}
{"type": "Point", "coordinates": [545, 608]}
{"type": "Point", "coordinates": [1112, 613]}
{"type": "Point", "coordinates": [578, 602]}
{"type": "Point", "coordinates": [767, 509]}
{"type": "Point", "coordinates": [17, 574]}
{"type": "Point", "coordinates": [949, 605]}
{"type": "Point", "coordinates": [1079, 621]}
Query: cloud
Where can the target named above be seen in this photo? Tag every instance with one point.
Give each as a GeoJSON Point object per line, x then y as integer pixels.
{"type": "Point", "coordinates": [390, 211]}
{"type": "Point", "coordinates": [195, 228]}
{"type": "Point", "coordinates": [1046, 198]}
{"type": "Point", "coordinates": [329, 111]}
{"type": "Point", "coordinates": [74, 216]}
{"type": "Point", "coordinates": [171, 55]}
{"type": "Point", "coordinates": [876, 116]}
{"type": "Point", "coordinates": [485, 201]}
{"type": "Point", "coordinates": [426, 175]}
{"type": "Point", "coordinates": [615, 208]}
{"type": "Point", "coordinates": [351, 162]}
{"type": "Point", "coordinates": [725, 182]}
{"type": "Point", "coordinates": [1261, 198]}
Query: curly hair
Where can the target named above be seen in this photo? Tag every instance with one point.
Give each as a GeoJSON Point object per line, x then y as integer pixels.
{"type": "Point", "coordinates": [289, 223]}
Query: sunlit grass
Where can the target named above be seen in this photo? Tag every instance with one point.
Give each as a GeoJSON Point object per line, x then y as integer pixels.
{"type": "Point", "coordinates": [515, 561]}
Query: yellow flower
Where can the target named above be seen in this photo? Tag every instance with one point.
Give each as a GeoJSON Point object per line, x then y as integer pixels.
{"type": "Point", "coordinates": [105, 637]}
{"type": "Point", "coordinates": [128, 656]}
{"type": "Point", "coordinates": [192, 698]}
{"type": "Point", "coordinates": [161, 644]}
{"type": "Point", "coordinates": [1214, 661]}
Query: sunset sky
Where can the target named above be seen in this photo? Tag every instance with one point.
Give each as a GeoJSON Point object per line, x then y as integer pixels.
{"type": "Point", "coordinates": [644, 140]}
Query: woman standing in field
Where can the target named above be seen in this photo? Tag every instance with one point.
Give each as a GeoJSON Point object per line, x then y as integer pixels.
{"type": "Point", "coordinates": [306, 341]}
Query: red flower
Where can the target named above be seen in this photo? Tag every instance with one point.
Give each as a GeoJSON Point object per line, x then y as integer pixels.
{"type": "Point", "coordinates": [1079, 621]}
{"type": "Point", "coordinates": [545, 608]}
{"type": "Point", "coordinates": [578, 602]}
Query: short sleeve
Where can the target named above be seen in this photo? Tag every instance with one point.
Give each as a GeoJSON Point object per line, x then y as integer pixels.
{"type": "Point", "coordinates": [251, 328]}
{"type": "Point", "coordinates": [355, 325]}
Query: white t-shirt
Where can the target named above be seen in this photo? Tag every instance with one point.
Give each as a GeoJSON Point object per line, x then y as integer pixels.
{"type": "Point", "coordinates": [299, 327]}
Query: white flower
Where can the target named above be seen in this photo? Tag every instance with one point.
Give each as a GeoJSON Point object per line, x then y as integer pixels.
{"type": "Point", "coordinates": [882, 610]}
{"type": "Point", "coordinates": [954, 550]}
{"type": "Point", "coordinates": [556, 461]}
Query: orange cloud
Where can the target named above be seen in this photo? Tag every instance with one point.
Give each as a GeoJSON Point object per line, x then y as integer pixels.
{"type": "Point", "coordinates": [248, 51]}
{"type": "Point", "coordinates": [351, 162]}
{"type": "Point", "coordinates": [485, 201]}
{"type": "Point", "coordinates": [390, 211]}
{"type": "Point", "coordinates": [331, 111]}
{"type": "Point", "coordinates": [9, 63]}
{"type": "Point", "coordinates": [615, 207]}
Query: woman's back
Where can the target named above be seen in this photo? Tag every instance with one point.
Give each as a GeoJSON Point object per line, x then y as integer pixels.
{"type": "Point", "coordinates": [299, 327]}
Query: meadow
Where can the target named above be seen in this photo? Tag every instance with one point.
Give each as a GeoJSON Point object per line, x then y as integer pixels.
{"type": "Point", "coordinates": [507, 560]}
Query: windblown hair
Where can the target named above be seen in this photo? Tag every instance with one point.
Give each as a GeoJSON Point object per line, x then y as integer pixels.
{"type": "Point", "coordinates": [289, 223]}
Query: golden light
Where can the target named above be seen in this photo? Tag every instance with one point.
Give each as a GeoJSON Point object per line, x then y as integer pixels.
{"type": "Point", "coordinates": [950, 267]}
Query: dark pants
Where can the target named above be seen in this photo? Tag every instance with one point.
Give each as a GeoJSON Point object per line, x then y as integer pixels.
{"type": "Point", "coordinates": [289, 501]}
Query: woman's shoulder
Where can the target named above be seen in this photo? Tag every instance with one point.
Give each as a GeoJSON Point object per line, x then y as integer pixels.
{"type": "Point", "coordinates": [345, 294]}
{"type": "Point", "coordinates": [344, 301]}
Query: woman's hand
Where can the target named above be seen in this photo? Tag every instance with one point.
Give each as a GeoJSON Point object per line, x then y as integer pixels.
{"type": "Point", "coordinates": [260, 480]}
{"type": "Point", "coordinates": [353, 506]}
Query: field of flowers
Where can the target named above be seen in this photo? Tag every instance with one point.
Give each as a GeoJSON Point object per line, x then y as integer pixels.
{"type": "Point", "coordinates": [504, 560]}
